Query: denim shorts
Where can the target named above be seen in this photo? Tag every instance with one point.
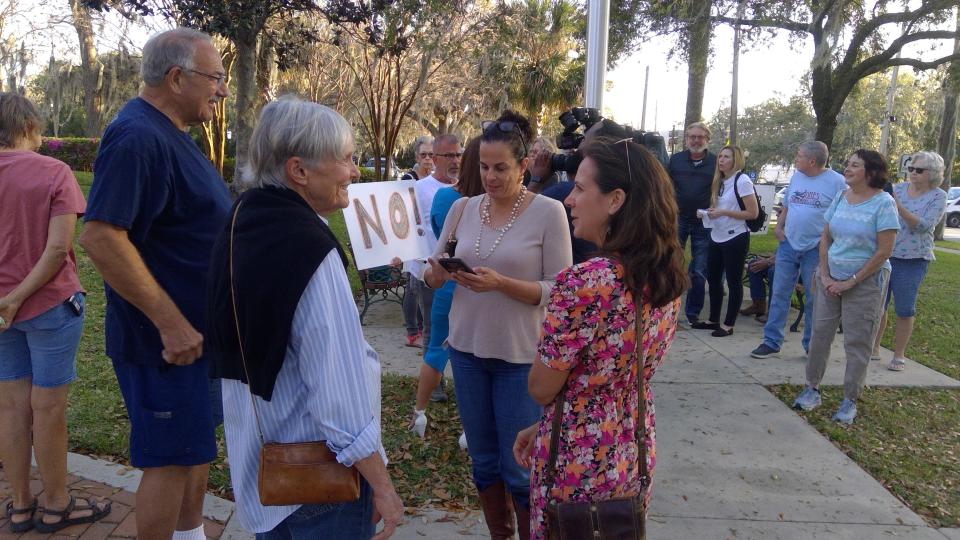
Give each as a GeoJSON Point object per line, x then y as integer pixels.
{"type": "Point", "coordinates": [905, 278]}
{"type": "Point", "coordinates": [171, 421]}
{"type": "Point", "coordinates": [43, 348]}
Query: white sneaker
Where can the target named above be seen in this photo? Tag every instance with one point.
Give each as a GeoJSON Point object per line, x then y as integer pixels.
{"type": "Point", "coordinates": [897, 364]}
{"type": "Point", "coordinates": [418, 423]}
{"type": "Point", "coordinates": [463, 440]}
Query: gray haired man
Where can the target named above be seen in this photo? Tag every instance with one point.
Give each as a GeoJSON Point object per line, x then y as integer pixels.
{"type": "Point", "coordinates": [155, 209]}
{"type": "Point", "coordinates": [799, 226]}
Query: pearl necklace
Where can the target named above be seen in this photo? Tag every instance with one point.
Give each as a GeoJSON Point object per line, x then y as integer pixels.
{"type": "Point", "coordinates": [486, 220]}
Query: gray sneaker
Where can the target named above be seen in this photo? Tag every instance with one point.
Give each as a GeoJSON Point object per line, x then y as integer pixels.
{"type": "Point", "coordinates": [764, 351]}
{"type": "Point", "coordinates": [808, 400]}
{"type": "Point", "coordinates": [439, 394]}
{"type": "Point", "coordinates": [846, 413]}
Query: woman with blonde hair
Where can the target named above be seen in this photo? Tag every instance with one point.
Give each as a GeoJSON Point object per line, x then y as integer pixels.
{"type": "Point", "coordinates": [732, 202]}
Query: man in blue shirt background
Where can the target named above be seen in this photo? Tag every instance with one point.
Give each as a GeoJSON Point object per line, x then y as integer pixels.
{"type": "Point", "coordinates": [692, 173]}
{"type": "Point", "coordinates": [155, 209]}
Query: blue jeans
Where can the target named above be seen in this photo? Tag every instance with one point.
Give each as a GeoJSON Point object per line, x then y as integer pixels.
{"type": "Point", "coordinates": [342, 521]}
{"type": "Point", "coordinates": [905, 279]}
{"type": "Point", "coordinates": [494, 406]}
{"type": "Point", "coordinates": [760, 281]}
{"type": "Point", "coordinates": [699, 247]}
{"type": "Point", "coordinates": [791, 265]}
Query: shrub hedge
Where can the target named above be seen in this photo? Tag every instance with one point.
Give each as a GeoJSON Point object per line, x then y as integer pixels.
{"type": "Point", "coordinates": [77, 152]}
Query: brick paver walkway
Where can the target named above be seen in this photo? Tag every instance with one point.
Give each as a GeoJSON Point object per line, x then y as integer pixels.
{"type": "Point", "coordinates": [120, 523]}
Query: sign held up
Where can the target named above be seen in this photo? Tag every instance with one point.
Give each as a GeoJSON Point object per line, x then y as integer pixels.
{"type": "Point", "coordinates": [384, 221]}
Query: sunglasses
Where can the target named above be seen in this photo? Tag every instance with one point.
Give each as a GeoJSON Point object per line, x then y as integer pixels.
{"type": "Point", "coordinates": [505, 126]}
{"type": "Point", "coordinates": [426, 154]}
{"type": "Point", "coordinates": [918, 170]}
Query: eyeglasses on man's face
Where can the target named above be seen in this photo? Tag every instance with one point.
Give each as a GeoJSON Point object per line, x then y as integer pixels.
{"type": "Point", "coordinates": [451, 155]}
{"type": "Point", "coordinates": [218, 79]}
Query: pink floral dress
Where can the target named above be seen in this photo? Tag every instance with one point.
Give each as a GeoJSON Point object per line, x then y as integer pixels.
{"type": "Point", "coordinates": [597, 455]}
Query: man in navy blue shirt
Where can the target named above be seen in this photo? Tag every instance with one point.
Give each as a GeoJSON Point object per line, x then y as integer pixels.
{"type": "Point", "coordinates": [155, 209]}
{"type": "Point", "coordinates": [692, 173]}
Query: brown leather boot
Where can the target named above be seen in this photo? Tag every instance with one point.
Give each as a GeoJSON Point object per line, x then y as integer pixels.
{"type": "Point", "coordinates": [523, 521]}
{"type": "Point", "coordinates": [758, 307]}
{"type": "Point", "coordinates": [498, 511]}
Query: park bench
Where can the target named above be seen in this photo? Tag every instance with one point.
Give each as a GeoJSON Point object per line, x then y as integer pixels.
{"type": "Point", "coordinates": [380, 284]}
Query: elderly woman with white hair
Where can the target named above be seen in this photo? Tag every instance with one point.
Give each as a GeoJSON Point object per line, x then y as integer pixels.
{"type": "Point", "coordinates": [920, 206]}
{"type": "Point", "coordinates": [284, 332]}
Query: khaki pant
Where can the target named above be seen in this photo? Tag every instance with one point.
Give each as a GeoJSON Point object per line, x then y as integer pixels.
{"type": "Point", "coordinates": [859, 309]}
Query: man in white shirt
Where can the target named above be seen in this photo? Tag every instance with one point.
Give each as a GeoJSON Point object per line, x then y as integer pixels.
{"type": "Point", "coordinates": [446, 159]}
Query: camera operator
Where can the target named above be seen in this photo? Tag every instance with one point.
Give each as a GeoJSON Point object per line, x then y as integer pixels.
{"type": "Point", "coordinates": [692, 173]}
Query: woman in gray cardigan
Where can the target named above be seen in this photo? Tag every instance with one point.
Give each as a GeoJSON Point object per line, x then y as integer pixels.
{"type": "Point", "coordinates": [515, 244]}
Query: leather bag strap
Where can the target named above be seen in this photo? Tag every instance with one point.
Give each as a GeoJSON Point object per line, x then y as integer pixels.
{"type": "Point", "coordinates": [641, 428]}
{"type": "Point", "coordinates": [452, 235]}
{"type": "Point", "coordinates": [236, 322]}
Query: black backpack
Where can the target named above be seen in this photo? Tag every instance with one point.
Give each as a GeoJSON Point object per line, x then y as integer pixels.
{"type": "Point", "coordinates": [758, 222]}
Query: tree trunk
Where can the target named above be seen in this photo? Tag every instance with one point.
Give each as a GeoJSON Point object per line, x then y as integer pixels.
{"type": "Point", "coordinates": [215, 132]}
{"type": "Point", "coordinates": [947, 141]}
{"type": "Point", "coordinates": [265, 72]}
{"type": "Point", "coordinates": [698, 53]}
{"type": "Point", "coordinates": [92, 68]}
{"type": "Point", "coordinates": [246, 73]}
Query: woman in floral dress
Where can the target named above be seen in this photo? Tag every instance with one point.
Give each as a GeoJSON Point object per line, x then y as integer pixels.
{"type": "Point", "coordinates": [623, 201]}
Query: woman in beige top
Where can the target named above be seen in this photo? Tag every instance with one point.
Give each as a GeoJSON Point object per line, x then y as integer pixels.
{"type": "Point", "coordinates": [515, 244]}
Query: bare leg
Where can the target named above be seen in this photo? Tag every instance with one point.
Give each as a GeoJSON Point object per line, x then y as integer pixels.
{"type": "Point", "coordinates": [160, 498]}
{"type": "Point", "coordinates": [902, 336]}
{"type": "Point", "coordinates": [50, 446]}
{"type": "Point", "coordinates": [191, 510]}
{"type": "Point", "coordinates": [15, 421]}
{"type": "Point", "coordinates": [428, 380]}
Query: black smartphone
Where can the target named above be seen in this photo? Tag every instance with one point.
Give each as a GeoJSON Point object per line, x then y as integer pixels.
{"type": "Point", "coordinates": [454, 264]}
{"type": "Point", "coordinates": [74, 304]}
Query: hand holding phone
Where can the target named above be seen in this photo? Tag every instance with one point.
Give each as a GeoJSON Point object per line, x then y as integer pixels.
{"type": "Point", "coordinates": [454, 264]}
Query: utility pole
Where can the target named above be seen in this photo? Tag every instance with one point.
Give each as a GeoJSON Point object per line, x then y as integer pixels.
{"type": "Point", "coordinates": [888, 117]}
{"type": "Point", "coordinates": [736, 73]}
{"type": "Point", "coordinates": [643, 115]}
{"type": "Point", "coordinates": [598, 22]}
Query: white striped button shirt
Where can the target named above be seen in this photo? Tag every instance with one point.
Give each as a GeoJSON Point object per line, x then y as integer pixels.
{"type": "Point", "coordinates": [328, 389]}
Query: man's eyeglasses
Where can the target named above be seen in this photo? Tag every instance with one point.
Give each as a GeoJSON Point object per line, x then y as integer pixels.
{"type": "Point", "coordinates": [219, 79]}
{"type": "Point", "coordinates": [505, 126]}
{"type": "Point", "coordinates": [450, 155]}
{"type": "Point", "coordinates": [918, 170]}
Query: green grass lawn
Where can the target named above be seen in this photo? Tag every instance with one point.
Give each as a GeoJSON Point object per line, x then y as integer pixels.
{"type": "Point", "coordinates": [949, 244]}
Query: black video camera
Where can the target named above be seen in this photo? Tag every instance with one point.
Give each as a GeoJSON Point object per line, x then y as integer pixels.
{"type": "Point", "coordinates": [586, 118]}
{"type": "Point", "coordinates": [572, 120]}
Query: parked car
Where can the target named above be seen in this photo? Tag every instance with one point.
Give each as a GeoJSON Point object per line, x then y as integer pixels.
{"type": "Point", "coordinates": [953, 194]}
{"type": "Point", "coordinates": [953, 212]}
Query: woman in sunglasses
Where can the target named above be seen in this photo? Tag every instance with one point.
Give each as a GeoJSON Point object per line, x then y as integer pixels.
{"type": "Point", "coordinates": [920, 206]}
{"type": "Point", "coordinates": [590, 355]}
{"type": "Point", "coordinates": [511, 244]}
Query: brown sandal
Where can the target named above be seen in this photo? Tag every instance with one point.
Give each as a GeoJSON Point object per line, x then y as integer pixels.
{"type": "Point", "coordinates": [65, 520]}
{"type": "Point", "coordinates": [21, 526]}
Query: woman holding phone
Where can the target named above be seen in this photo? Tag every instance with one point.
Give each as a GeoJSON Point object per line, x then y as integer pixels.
{"type": "Point", "coordinates": [592, 362]}
{"type": "Point", "coordinates": [516, 243]}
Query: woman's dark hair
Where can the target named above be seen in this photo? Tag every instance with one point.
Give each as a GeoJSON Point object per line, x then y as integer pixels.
{"type": "Point", "coordinates": [874, 167]}
{"type": "Point", "coordinates": [469, 184]}
{"type": "Point", "coordinates": [519, 138]}
{"type": "Point", "coordinates": [643, 233]}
